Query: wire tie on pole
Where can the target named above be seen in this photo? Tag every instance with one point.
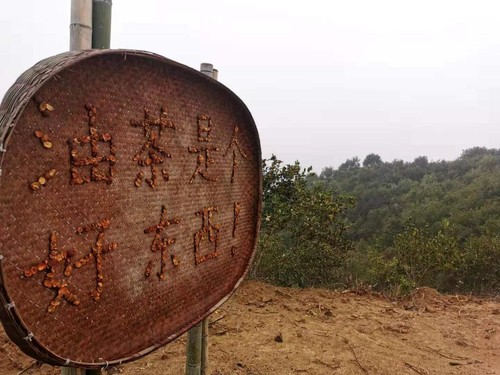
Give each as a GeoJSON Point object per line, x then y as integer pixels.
{"type": "Point", "coordinates": [67, 362]}
{"type": "Point", "coordinates": [10, 305]}
{"type": "Point", "coordinates": [29, 337]}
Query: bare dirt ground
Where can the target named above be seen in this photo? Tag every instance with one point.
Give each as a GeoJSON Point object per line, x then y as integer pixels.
{"type": "Point", "coordinates": [264, 330]}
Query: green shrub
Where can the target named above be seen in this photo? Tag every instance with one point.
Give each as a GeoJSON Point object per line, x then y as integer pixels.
{"type": "Point", "coordinates": [302, 240]}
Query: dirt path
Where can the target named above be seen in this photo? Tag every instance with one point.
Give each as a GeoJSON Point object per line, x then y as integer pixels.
{"type": "Point", "coordinates": [268, 330]}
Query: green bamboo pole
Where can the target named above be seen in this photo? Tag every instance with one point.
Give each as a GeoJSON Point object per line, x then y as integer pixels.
{"type": "Point", "coordinates": [204, 347]}
{"type": "Point", "coordinates": [101, 23]}
{"type": "Point", "coordinates": [84, 14]}
{"type": "Point", "coordinates": [193, 350]}
{"type": "Point", "coordinates": [79, 371]}
{"type": "Point", "coordinates": [72, 371]}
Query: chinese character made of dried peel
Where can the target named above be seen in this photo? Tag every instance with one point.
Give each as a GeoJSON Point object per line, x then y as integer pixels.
{"type": "Point", "coordinates": [55, 264]}
{"type": "Point", "coordinates": [92, 162]}
{"type": "Point", "coordinates": [204, 128]}
{"type": "Point", "coordinates": [151, 153]}
{"type": "Point", "coordinates": [235, 147]}
{"type": "Point", "coordinates": [204, 159]}
{"type": "Point", "coordinates": [161, 244]}
{"type": "Point", "coordinates": [209, 232]}
{"type": "Point", "coordinates": [97, 250]}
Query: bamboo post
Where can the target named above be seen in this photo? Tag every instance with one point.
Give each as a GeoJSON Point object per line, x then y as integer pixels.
{"type": "Point", "coordinates": [80, 27]}
{"type": "Point", "coordinates": [79, 371]}
{"type": "Point", "coordinates": [101, 23]}
{"type": "Point", "coordinates": [85, 13]}
{"type": "Point", "coordinates": [72, 371]}
{"type": "Point", "coordinates": [197, 344]}
{"type": "Point", "coordinates": [204, 347]}
{"type": "Point", "coordinates": [101, 37]}
{"type": "Point", "coordinates": [193, 350]}
{"type": "Point", "coordinates": [209, 70]}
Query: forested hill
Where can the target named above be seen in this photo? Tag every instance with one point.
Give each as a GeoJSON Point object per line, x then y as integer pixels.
{"type": "Point", "coordinates": [404, 209]}
{"type": "Point", "coordinates": [464, 194]}
{"type": "Point", "coordinates": [391, 226]}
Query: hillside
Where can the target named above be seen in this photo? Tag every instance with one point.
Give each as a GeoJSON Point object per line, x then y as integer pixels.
{"type": "Point", "coordinates": [392, 225]}
{"type": "Point", "coordinates": [264, 330]}
{"type": "Point", "coordinates": [465, 192]}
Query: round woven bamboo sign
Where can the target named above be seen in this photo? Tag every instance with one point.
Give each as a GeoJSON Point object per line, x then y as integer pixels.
{"type": "Point", "coordinates": [130, 193]}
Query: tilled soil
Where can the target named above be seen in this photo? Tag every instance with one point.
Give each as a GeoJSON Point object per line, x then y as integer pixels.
{"type": "Point", "coordinates": [265, 330]}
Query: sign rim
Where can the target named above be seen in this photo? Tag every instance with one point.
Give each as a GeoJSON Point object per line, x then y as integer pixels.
{"type": "Point", "coordinates": [12, 106]}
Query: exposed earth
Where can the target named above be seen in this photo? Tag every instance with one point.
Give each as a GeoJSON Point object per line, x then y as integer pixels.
{"type": "Point", "coordinates": [265, 330]}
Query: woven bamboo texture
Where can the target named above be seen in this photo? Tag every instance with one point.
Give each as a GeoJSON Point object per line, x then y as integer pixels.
{"type": "Point", "coordinates": [130, 196]}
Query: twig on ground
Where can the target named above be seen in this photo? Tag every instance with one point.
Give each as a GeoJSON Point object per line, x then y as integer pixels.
{"type": "Point", "coordinates": [298, 325]}
{"type": "Point", "coordinates": [446, 356]}
{"type": "Point", "coordinates": [216, 320]}
{"type": "Point", "coordinates": [355, 356]}
{"type": "Point", "coordinates": [333, 367]}
{"type": "Point", "coordinates": [321, 333]}
{"type": "Point", "coordinates": [263, 312]}
{"type": "Point", "coordinates": [417, 369]}
{"type": "Point", "coordinates": [7, 353]}
{"type": "Point", "coordinates": [34, 364]}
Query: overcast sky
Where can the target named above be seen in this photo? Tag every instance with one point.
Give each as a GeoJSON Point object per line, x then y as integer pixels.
{"type": "Point", "coordinates": [324, 80]}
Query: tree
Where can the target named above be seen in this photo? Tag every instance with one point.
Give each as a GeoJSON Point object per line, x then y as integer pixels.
{"type": "Point", "coordinates": [372, 160]}
{"type": "Point", "coordinates": [302, 240]}
{"type": "Point", "coordinates": [421, 161]}
{"type": "Point", "coordinates": [327, 173]}
{"type": "Point", "coordinates": [480, 269]}
{"type": "Point", "coordinates": [475, 152]}
{"type": "Point", "coordinates": [427, 259]}
{"type": "Point", "coordinates": [350, 164]}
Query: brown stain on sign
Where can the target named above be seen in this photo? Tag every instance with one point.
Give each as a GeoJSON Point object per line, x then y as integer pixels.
{"type": "Point", "coordinates": [126, 115]}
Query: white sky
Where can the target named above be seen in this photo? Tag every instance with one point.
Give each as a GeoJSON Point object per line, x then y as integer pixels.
{"type": "Point", "coordinates": [324, 80]}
